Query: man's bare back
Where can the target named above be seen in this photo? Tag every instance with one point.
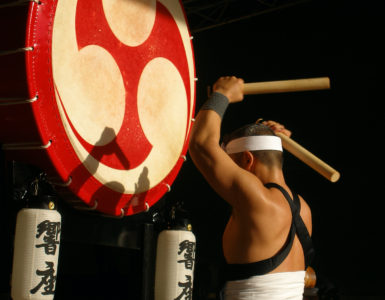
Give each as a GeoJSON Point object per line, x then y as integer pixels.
{"type": "Point", "coordinates": [252, 236]}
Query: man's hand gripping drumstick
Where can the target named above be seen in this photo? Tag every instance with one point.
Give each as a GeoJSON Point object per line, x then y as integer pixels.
{"type": "Point", "coordinates": [301, 153]}
{"type": "Point", "coordinates": [290, 145]}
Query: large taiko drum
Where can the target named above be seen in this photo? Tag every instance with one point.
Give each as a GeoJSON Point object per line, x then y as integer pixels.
{"type": "Point", "coordinates": [99, 94]}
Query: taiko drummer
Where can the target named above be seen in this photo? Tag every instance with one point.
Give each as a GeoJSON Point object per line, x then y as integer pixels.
{"type": "Point", "coordinates": [266, 242]}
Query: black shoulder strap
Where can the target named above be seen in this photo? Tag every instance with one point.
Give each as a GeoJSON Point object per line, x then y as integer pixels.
{"type": "Point", "coordinates": [243, 271]}
{"type": "Point", "coordinates": [300, 227]}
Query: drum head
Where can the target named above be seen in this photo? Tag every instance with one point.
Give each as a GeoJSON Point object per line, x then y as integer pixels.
{"type": "Point", "coordinates": [116, 88]}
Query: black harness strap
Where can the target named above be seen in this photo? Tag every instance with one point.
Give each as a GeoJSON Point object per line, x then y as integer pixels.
{"type": "Point", "coordinates": [300, 227]}
{"type": "Point", "coordinates": [243, 271]}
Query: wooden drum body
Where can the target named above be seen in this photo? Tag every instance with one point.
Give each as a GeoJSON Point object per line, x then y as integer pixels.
{"type": "Point", "coordinates": [101, 96]}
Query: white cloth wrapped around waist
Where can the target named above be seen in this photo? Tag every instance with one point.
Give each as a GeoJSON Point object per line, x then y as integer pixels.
{"type": "Point", "coordinates": [273, 286]}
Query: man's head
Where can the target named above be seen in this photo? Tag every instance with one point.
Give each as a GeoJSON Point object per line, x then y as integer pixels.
{"type": "Point", "coordinates": [270, 158]}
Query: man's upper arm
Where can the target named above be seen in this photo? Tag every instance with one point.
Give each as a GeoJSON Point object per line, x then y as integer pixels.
{"type": "Point", "coordinates": [229, 180]}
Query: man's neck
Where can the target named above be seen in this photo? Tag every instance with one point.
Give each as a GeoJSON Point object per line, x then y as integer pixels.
{"type": "Point", "coordinates": [266, 175]}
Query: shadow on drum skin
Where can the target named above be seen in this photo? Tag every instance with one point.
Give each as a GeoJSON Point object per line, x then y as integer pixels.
{"type": "Point", "coordinates": [143, 184]}
{"type": "Point", "coordinates": [113, 189]}
{"type": "Point", "coordinates": [108, 136]}
{"type": "Point", "coordinates": [143, 181]}
{"type": "Point", "coordinates": [114, 195]}
{"type": "Point", "coordinates": [138, 199]}
{"type": "Point", "coordinates": [81, 173]}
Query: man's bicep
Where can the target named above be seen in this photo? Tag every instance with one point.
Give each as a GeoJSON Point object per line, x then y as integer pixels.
{"type": "Point", "coordinates": [220, 171]}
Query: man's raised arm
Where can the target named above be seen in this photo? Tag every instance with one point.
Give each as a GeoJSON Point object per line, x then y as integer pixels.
{"type": "Point", "coordinates": [215, 165]}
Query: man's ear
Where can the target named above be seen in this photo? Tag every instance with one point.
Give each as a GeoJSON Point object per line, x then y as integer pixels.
{"type": "Point", "coordinates": [247, 160]}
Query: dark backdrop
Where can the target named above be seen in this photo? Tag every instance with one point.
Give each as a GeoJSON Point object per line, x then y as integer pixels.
{"type": "Point", "coordinates": [344, 126]}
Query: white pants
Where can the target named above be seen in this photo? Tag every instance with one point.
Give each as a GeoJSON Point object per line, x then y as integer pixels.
{"type": "Point", "coordinates": [274, 286]}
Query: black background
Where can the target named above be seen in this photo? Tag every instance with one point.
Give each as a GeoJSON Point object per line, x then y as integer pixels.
{"type": "Point", "coordinates": [344, 126]}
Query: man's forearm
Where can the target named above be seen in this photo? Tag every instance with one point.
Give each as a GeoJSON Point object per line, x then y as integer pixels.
{"type": "Point", "coordinates": [218, 103]}
{"type": "Point", "coordinates": [206, 129]}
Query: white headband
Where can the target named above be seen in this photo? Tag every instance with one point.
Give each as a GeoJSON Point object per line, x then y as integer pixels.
{"type": "Point", "coordinates": [254, 143]}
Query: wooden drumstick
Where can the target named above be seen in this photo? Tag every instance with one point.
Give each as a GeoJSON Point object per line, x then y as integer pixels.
{"type": "Point", "coordinates": [282, 86]}
{"type": "Point", "coordinates": [308, 158]}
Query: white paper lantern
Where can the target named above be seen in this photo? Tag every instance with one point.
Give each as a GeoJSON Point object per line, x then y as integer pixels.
{"type": "Point", "coordinates": [36, 253]}
{"type": "Point", "coordinates": [175, 262]}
